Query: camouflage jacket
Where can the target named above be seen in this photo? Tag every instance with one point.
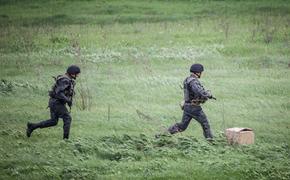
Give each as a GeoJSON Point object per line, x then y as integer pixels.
{"type": "Point", "coordinates": [63, 89]}
{"type": "Point", "coordinates": [194, 92]}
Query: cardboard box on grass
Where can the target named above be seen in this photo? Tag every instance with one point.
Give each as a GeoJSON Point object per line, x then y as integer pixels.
{"type": "Point", "coordinates": [238, 135]}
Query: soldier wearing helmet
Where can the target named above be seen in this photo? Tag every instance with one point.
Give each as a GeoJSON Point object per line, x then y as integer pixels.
{"type": "Point", "coordinates": [194, 96]}
{"type": "Point", "coordinates": [62, 93]}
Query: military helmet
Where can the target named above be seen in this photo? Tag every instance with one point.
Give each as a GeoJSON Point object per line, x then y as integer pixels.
{"type": "Point", "coordinates": [196, 68]}
{"type": "Point", "coordinates": [73, 69]}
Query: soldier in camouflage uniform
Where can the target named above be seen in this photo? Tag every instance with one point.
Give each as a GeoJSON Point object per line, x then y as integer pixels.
{"type": "Point", "coordinates": [61, 94]}
{"type": "Point", "coordinates": [194, 96]}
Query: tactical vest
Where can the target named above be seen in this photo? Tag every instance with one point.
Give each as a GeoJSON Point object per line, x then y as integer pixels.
{"type": "Point", "coordinates": [188, 95]}
{"type": "Point", "coordinates": [68, 92]}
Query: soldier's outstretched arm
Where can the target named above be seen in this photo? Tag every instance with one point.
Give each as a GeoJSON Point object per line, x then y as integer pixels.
{"type": "Point", "coordinates": [197, 88]}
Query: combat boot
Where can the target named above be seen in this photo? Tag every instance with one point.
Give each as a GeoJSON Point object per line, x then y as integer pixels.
{"type": "Point", "coordinates": [174, 129]}
{"type": "Point", "coordinates": [210, 139]}
{"type": "Point", "coordinates": [30, 128]}
{"type": "Point", "coordinates": [65, 135]}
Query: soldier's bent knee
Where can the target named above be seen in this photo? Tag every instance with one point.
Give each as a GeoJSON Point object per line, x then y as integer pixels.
{"type": "Point", "coordinates": [54, 123]}
{"type": "Point", "coordinates": [67, 117]}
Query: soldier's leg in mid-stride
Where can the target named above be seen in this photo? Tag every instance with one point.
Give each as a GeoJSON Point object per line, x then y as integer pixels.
{"type": "Point", "coordinates": [43, 124]}
{"type": "Point", "coordinates": [202, 119]}
{"type": "Point", "coordinates": [66, 125]}
{"type": "Point", "coordinates": [179, 127]}
{"type": "Point", "coordinates": [65, 115]}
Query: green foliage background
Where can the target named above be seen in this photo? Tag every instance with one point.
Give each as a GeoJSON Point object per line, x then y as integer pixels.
{"type": "Point", "coordinates": [134, 56]}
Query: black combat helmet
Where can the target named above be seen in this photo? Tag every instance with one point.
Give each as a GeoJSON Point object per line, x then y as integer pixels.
{"type": "Point", "coordinates": [73, 69]}
{"type": "Point", "coordinates": [196, 68]}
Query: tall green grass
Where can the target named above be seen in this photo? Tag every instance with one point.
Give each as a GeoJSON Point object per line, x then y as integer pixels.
{"type": "Point", "coordinates": [134, 56]}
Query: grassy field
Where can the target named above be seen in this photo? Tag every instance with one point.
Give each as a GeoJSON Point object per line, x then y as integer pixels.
{"type": "Point", "coordinates": [134, 56]}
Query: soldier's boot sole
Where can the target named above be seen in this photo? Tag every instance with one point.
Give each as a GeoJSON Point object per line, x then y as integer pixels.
{"type": "Point", "coordinates": [211, 141]}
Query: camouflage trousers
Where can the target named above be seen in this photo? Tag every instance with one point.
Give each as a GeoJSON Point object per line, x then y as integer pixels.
{"type": "Point", "coordinates": [192, 112]}
{"type": "Point", "coordinates": [57, 110]}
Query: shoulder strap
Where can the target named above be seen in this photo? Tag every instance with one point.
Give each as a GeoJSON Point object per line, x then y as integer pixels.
{"type": "Point", "coordinates": [189, 79]}
{"type": "Point", "coordinates": [62, 77]}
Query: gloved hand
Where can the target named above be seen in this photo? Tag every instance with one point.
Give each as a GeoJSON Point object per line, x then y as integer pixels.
{"type": "Point", "coordinates": [69, 103]}
{"type": "Point", "coordinates": [211, 97]}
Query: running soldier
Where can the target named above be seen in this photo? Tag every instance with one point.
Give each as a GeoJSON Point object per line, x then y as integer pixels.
{"type": "Point", "coordinates": [194, 96]}
{"type": "Point", "coordinates": [61, 94]}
